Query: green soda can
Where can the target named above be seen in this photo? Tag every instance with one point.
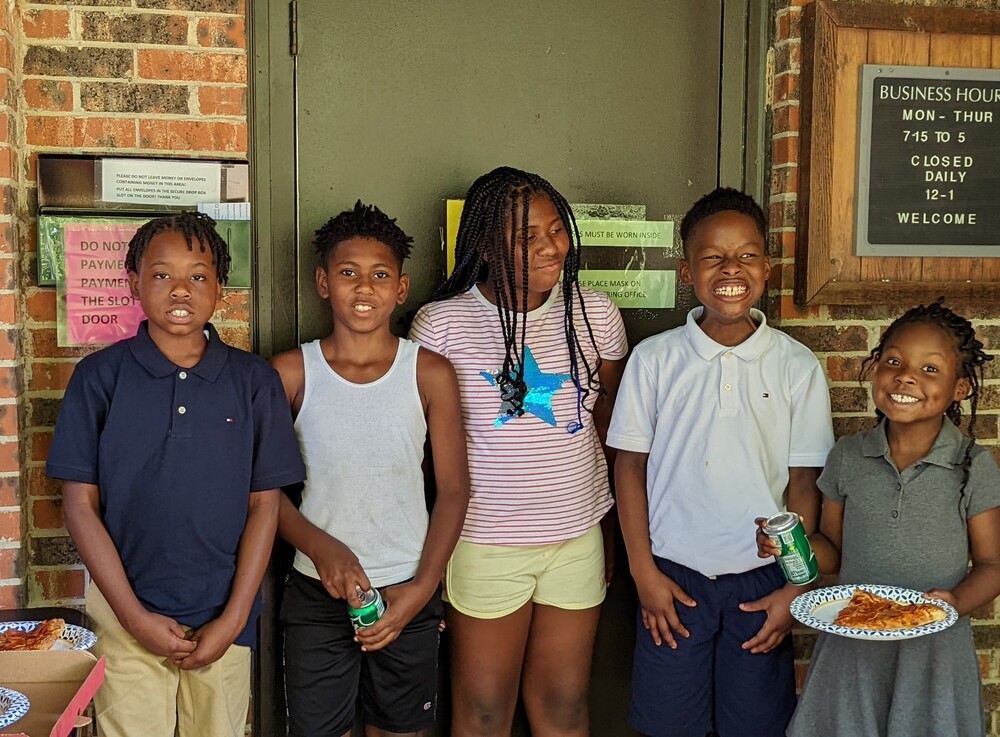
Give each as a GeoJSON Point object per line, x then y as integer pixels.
{"type": "Point", "coordinates": [797, 559]}
{"type": "Point", "coordinates": [371, 610]}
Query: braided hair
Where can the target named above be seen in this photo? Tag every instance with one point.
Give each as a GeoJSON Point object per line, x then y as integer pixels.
{"type": "Point", "coordinates": [363, 221]}
{"type": "Point", "coordinates": [970, 354]}
{"type": "Point", "coordinates": [195, 226]}
{"type": "Point", "coordinates": [497, 204]}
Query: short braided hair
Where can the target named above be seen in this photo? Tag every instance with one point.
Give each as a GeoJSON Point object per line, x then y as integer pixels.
{"type": "Point", "coordinates": [195, 226]}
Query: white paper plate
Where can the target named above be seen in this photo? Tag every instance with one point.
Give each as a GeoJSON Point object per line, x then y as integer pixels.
{"type": "Point", "coordinates": [13, 706]}
{"type": "Point", "coordinates": [73, 636]}
{"type": "Point", "coordinates": [818, 609]}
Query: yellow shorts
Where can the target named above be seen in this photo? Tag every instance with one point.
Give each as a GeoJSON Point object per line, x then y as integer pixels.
{"type": "Point", "coordinates": [492, 581]}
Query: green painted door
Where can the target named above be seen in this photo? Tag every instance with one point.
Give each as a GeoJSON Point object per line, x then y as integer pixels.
{"type": "Point", "coordinates": [404, 103]}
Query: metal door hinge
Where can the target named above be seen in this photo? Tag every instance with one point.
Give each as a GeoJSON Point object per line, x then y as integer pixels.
{"type": "Point", "coordinates": [293, 28]}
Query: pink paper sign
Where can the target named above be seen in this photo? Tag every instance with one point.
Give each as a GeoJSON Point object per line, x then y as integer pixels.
{"type": "Point", "coordinates": [99, 305]}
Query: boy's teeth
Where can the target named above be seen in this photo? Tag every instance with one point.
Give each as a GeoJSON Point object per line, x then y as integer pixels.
{"type": "Point", "coordinates": [363, 308]}
{"type": "Point", "coordinates": [902, 398]}
{"type": "Point", "coordinates": [179, 313]}
{"type": "Point", "coordinates": [734, 291]}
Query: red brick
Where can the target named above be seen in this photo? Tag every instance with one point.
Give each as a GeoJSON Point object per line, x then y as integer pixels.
{"type": "Point", "coordinates": [786, 119]}
{"type": "Point", "coordinates": [10, 491]}
{"type": "Point", "coordinates": [7, 267]}
{"type": "Point", "coordinates": [234, 307]}
{"type": "Point", "coordinates": [8, 344]}
{"type": "Point", "coordinates": [784, 150]}
{"type": "Point", "coordinates": [41, 485]}
{"type": "Point", "coordinates": [222, 100]}
{"type": "Point", "coordinates": [47, 514]}
{"type": "Point", "coordinates": [185, 65]}
{"type": "Point", "coordinates": [41, 443]}
{"type": "Point", "coordinates": [66, 583]}
{"type": "Point", "coordinates": [844, 368]}
{"type": "Point", "coordinates": [10, 525]}
{"type": "Point", "coordinates": [10, 455]}
{"type": "Point", "coordinates": [48, 94]}
{"type": "Point", "coordinates": [66, 132]}
{"type": "Point", "coordinates": [792, 311]}
{"type": "Point", "coordinates": [8, 383]}
{"type": "Point", "coordinates": [8, 423]}
{"type": "Point", "coordinates": [10, 563]}
{"type": "Point", "coordinates": [195, 135]}
{"type": "Point", "coordinates": [41, 305]}
{"type": "Point", "coordinates": [50, 375]}
{"type": "Point", "coordinates": [45, 24]}
{"type": "Point", "coordinates": [11, 597]}
{"type": "Point", "coordinates": [222, 33]}
{"type": "Point", "coordinates": [8, 310]}
{"type": "Point", "coordinates": [786, 87]}
{"type": "Point", "coordinates": [44, 343]}
{"type": "Point", "coordinates": [6, 163]}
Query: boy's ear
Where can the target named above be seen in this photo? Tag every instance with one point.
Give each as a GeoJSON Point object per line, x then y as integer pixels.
{"type": "Point", "coordinates": [322, 287]}
{"type": "Point", "coordinates": [404, 288]}
{"type": "Point", "coordinates": [684, 268]}
{"type": "Point", "coordinates": [133, 284]}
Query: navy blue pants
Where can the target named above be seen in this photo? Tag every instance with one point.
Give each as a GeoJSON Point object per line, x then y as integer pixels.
{"type": "Point", "coordinates": [709, 683]}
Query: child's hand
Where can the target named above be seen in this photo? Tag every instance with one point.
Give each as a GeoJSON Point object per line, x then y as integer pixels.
{"type": "Point", "coordinates": [658, 599]}
{"type": "Point", "coordinates": [779, 618]}
{"type": "Point", "coordinates": [212, 640]}
{"type": "Point", "coordinates": [944, 595]}
{"type": "Point", "coordinates": [766, 547]}
{"type": "Point", "coordinates": [162, 635]}
{"type": "Point", "coordinates": [402, 602]}
{"type": "Point", "coordinates": [340, 570]}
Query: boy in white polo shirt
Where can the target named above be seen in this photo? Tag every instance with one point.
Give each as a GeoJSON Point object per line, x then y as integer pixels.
{"type": "Point", "coordinates": [717, 422]}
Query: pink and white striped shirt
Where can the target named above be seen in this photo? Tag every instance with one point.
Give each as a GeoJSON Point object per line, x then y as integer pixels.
{"type": "Point", "coordinates": [532, 483]}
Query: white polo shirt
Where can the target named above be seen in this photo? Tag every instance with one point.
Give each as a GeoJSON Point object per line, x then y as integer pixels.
{"type": "Point", "coordinates": [722, 425]}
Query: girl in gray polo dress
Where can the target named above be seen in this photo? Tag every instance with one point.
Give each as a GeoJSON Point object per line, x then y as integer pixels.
{"type": "Point", "coordinates": [905, 504]}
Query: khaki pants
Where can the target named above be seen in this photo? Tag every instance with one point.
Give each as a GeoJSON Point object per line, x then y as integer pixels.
{"type": "Point", "coordinates": [145, 695]}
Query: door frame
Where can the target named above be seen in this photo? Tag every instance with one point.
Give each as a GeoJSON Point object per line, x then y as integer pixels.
{"type": "Point", "coordinates": [272, 48]}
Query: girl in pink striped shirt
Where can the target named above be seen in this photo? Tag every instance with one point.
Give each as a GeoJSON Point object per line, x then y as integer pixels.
{"type": "Point", "coordinates": [538, 361]}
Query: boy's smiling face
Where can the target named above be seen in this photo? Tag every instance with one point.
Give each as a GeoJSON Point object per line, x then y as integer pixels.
{"type": "Point", "coordinates": [727, 264]}
{"type": "Point", "coordinates": [363, 283]}
{"type": "Point", "coordinates": [177, 286]}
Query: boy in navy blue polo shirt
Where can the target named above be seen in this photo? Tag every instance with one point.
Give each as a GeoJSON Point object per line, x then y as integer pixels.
{"type": "Point", "coordinates": [172, 447]}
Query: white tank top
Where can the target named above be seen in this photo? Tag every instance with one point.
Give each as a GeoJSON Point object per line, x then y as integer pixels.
{"type": "Point", "coordinates": [363, 446]}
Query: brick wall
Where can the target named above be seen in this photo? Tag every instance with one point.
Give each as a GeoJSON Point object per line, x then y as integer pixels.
{"type": "Point", "coordinates": [843, 336]}
{"type": "Point", "coordinates": [142, 77]}
{"type": "Point", "coordinates": [12, 403]}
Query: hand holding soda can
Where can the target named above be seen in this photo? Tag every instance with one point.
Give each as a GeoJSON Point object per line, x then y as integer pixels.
{"type": "Point", "coordinates": [795, 554]}
{"type": "Point", "coordinates": [371, 610]}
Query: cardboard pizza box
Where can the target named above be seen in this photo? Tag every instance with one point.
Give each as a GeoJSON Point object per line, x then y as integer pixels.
{"type": "Point", "coordinates": [58, 683]}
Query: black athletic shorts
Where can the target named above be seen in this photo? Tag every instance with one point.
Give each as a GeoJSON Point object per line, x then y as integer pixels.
{"type": "Point", "coordinates": [325, 668]}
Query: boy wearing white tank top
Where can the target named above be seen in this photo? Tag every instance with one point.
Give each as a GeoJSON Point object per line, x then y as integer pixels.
{"type": "Point", "coordinates": [365, 402]}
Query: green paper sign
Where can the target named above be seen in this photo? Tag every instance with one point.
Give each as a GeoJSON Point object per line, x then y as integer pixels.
{"type": "Point", "coordinates": [631, 289]}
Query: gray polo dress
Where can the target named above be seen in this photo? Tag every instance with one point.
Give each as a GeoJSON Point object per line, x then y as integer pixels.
{"type": "Point", "coordinates": [902, 529]}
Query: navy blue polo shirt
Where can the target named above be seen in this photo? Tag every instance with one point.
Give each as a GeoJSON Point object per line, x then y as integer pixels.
{"type": "Point", "coordinates": [176, 453]}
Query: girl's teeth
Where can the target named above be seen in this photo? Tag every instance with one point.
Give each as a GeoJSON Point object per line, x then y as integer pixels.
{"type": "Point", "coordinates": [902, 398]}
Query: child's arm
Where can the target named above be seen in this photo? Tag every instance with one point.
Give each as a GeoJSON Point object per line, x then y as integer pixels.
{"type": "Point", "coordinates": [981, 584]}
{"type": "Point", "coordinates": [339, 569]}
{"type": "Point", "coordinates": [610, 374]}
{"type": "Point", "coordinates": [657, 592]}
{"type": "Point", "coordinates": [155, 632]}
{"type": "Point", "coordinates": [439, 392]}
{"type": "Point", "coordinates": [254, 551]}
{"type": "Point", "coordinates": [803, 498]}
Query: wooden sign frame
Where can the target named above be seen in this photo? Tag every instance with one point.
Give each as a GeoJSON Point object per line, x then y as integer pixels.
{"type": "Point", "coordinates": [837, 38]}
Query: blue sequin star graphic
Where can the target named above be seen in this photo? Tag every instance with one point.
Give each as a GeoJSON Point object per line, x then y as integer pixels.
{"type": "Point", "coordinates": [538, 400]}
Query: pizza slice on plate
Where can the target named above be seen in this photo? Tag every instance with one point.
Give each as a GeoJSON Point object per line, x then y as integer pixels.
{"type": "Point", "coordinates": [42, 637]}
{"type": "Point", "coordinates": [872, 612]}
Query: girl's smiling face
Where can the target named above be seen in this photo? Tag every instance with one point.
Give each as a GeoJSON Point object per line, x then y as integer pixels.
{"type": "Point", "coordinates": [916, 378]}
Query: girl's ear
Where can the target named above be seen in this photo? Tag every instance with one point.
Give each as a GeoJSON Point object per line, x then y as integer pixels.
{"type": "Point", "coordinates": [963, 389]}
